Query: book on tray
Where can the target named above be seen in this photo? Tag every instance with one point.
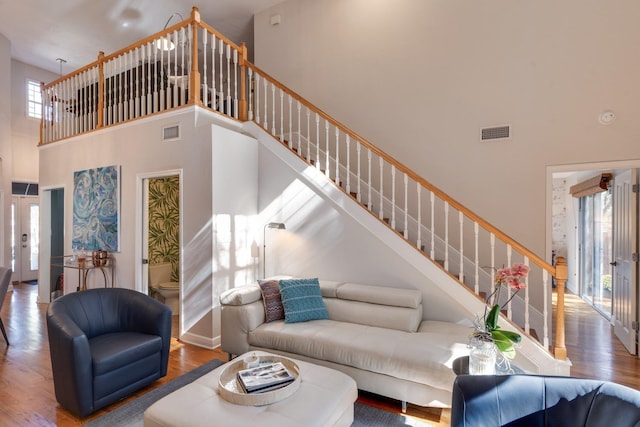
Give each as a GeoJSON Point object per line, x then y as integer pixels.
{"type": "Point", "coordinates": [264, 378]}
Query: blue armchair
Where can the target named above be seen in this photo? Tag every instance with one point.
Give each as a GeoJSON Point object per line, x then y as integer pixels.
{"type": "Point", "coordinates": [533, 400]}
{"type": "Point", "coordinates": [105, 344]}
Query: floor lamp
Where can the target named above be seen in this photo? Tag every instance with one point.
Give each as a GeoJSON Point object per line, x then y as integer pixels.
{"type": "Point", "coordinates": [277, 226]}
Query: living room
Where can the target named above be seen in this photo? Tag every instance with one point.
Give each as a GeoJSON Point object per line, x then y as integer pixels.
{"type": "Point", "coordinates": [519, 182]}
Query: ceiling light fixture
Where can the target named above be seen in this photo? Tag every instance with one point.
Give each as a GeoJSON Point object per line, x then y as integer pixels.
{"type": "Point", "coordinates": [165, 43]}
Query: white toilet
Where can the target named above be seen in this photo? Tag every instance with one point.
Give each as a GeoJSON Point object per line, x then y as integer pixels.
{"type": "Point", "coordinates": [162, 288]}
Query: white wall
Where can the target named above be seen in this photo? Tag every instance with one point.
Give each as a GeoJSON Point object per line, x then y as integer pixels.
{"type": "Point", "coordinates": [25, 131]}
{"type": "Point", "coordinates": [420, 78]}
{"type": "Point", "coordinates": [5, 152]}
{"type": "Point", "coordinates": [137, 148]}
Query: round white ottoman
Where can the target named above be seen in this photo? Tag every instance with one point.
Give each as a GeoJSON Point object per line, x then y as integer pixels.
{"type": "Point", "coordinates": [325, 398]}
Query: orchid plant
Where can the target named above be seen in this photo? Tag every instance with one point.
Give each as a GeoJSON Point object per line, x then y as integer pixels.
{"type": "Point", "coordinates": [487, 328]}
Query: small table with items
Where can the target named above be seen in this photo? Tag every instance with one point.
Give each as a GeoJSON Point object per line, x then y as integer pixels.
{"type": "Point", "coordinates": [84, 267]}
{"type": "Point", "coordinates": [319, 396]}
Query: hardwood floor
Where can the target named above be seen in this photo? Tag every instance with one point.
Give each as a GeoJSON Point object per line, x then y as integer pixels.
{"type": "Point", "coordinates": [26, 385]}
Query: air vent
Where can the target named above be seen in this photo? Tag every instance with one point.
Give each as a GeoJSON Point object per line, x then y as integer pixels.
{"type": "Point", "coordinates": [495, 133]}
{"type": "Point", "coordinates": [171, 133]}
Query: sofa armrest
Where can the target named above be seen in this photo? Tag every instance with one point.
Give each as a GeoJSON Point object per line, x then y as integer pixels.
{"type": "Point", "coordinates": [71, 362]}
{"type": "Point", "coordinates": [237, 321]}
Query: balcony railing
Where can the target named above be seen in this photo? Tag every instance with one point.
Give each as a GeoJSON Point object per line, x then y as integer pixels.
{"type": "Point", "coordinates": [159, 73]}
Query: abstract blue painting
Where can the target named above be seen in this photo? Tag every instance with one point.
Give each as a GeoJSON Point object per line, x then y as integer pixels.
{"type": "Point", "coordinates": [96, 209]}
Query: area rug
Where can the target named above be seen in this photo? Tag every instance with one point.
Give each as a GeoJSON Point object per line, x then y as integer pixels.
{"type": "Point", "coordinates": [132, 413]}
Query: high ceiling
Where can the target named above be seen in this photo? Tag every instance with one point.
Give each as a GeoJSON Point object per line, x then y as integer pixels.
{"type": "Point", "coordinates": [41, 31]}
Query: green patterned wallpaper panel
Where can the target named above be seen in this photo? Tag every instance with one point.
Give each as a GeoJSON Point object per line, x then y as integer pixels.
{"type": "Point", "coordinates": [164, 222]}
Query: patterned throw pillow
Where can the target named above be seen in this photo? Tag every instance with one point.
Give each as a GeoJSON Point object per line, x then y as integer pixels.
{"type": "Point", "coordinates": [302, 300]}
{"type": "Point", "coordinates": [273, 309]}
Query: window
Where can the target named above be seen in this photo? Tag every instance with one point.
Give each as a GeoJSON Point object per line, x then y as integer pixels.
{"type": "Point", "coordinates": [34, 100]}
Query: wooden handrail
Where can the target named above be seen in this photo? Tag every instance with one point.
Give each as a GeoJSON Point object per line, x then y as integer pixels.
{"type": "Point", "coordinates": [399, 166]}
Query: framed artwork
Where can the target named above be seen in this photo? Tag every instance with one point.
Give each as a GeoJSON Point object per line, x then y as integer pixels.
{"type": "Point", "coordinates": [96, 209]}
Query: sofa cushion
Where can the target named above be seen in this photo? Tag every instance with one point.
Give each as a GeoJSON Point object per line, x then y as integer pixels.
{"type": "Point", "coordinates": [111, 351]}
{"type": "Point", "coordinates": [273, 309]}
{"type": "Point", "coordinates": [302, 300]}
{"type": "Point", "coordinates": [383, 316]}
{"type": "Point", "coordinates": [419, 357]}
{"type": "Point", "coordinates": [396, 297]}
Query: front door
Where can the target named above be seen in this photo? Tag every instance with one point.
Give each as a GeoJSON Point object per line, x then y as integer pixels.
{"type": "Point", "coordinates": [625, 210]}
{"type": "Point", "coordinates": [25, 220]}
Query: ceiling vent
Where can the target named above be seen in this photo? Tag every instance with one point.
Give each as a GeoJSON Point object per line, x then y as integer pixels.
{"type": "Point", "coordinates": [495, 133]}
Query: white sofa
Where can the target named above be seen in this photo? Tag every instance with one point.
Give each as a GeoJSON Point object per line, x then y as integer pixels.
{"type": "Point", "coordinates": [377, 335]}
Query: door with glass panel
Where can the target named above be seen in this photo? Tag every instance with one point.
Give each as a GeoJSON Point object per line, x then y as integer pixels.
{"type": "Point", "coordinates": [596, 222]}
{"type": "Point", "coordinates": [25, 220]}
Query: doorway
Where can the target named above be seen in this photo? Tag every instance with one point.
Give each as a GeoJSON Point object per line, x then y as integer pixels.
{"type": "Point", "coordinates": [598, 235]}
{"type": "Point", "coordinates": [596, 250]}
{"type": "Point", "coordinates": [160, 237]}
{"type": "Point", "coordinates": [25, 235]}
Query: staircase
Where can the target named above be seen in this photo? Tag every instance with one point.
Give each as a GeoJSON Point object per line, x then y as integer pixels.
{"type": "Point", "coordinates": [427, 225]}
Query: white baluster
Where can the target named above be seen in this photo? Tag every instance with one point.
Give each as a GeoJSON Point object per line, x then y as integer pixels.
{"type": "Point", "coordinates": [251, 86]}
{"type": "Point", "coordinates": [337, 177]}
{"type": "Point", "coordinates": [406, 206]}
{"type": "Point", "coordinates": [433, 211]}
{"type": "Point", "coordinates": [381, 165]}
{"type": "Point", "coordinates": [273, 110]}
{"type": "Point", "coordinates": [299, 130]}
{"type": "Point", "coordinates": [317, 141]}
{"type": "Point", "coordinates": [235, 85]}
{"type": "Point", "coordinates": [135, 73]}
{"type": "Point", "coordinates": [229, 101]}
{"type": "Point", "coordinates": [183, 43]}
{"type": "Point", "coordinates": [545, 309]}
{"type": "Point", "coordinates": [214, 90]}
{"type": "Point", "coordinates": [419, 197]}
{"type": "Point", "coordinates": [446, 235]}
{"type": "Point", "coordinates": [205, 87]}
{"type": "Point", "coordinates": [527, 326]}
{"type": "Point", "coordinates": [265, 120]}
{"type": "Point", "coordinates": [509, 292]}
{"type": "Point", "coordinates": [492, 242]}
{"type": "Point", "coordinates": [281, 115]}
{"type": "Point", "coordinates": [461, 223]}
{"type": "Point", "coordinates": [175, 101]}
{"type": "Point", "coordinates": [290, 137]}
{"type": "Point", "coordinates": [257, 86]}
{"type": "Point", "coordinates": [221, 82]}
{"type": "Point", "coordinates": [369, 182]}
{"type": "Point", "coordinates": [393, 197]}
{"type": "Point", "coordinates": [327, 168]}
{"type": "Point", "coordinates": [162, 96]}
{"type": "Point", "coordinates": [476, 231]}
{"type": "Point", "coordinates": [348, 165]}
{"type": "Point", "coordinates": [308, 134]}
{"type": "Point", "coordinates": [359, 177]}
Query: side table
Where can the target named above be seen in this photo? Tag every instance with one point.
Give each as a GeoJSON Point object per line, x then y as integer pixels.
{"type": "Point", "coordinates": [461, 367]}
{"type": "Point", "coordinates": [66, 262]}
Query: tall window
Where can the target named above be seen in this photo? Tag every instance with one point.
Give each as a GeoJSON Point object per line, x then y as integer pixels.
{"type": "Point", "coordinates": [34, 100]}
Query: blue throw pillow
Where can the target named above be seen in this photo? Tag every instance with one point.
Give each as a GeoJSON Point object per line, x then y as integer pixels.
{"type": "Point", "coordinates": [302, 300]}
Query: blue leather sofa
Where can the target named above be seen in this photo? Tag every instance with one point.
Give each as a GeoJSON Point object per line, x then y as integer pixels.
{"type": "Point", "coordinates": [534, 400]}
{"type": "Point", "coordinates": [105, 344]}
